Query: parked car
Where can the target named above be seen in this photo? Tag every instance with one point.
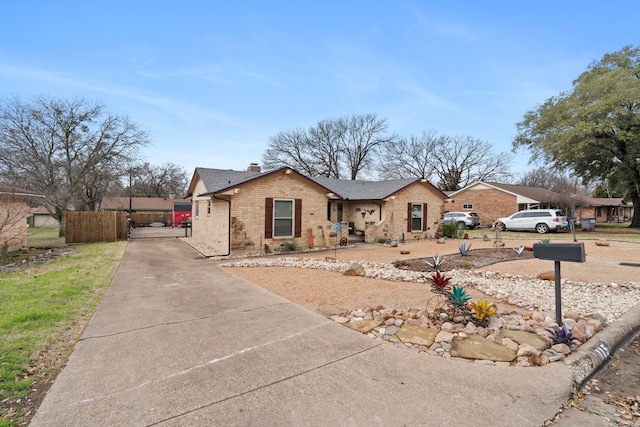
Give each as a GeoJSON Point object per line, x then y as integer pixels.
{"type": "Point", "coordinates": [462, 219]}
{"type": "Point", "coordinates": [540, 220]}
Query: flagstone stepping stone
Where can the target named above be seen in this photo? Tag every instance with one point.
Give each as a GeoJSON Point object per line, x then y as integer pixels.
{"type": "Point", "coordinates": [476, 347]}
{"type": "Point", "coordinates": [364, 326]}
{"type": "Point", "coordinates": [417, 335]}
{"type": "Point", "coordinates": [522, 337]}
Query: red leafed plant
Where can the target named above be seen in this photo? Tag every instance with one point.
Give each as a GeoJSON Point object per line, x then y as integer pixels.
{"type": "Point", "coordinates": [440, 282]}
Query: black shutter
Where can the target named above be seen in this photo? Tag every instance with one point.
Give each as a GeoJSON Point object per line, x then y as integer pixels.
{"type": "Point", "coordinates": [268, 218]}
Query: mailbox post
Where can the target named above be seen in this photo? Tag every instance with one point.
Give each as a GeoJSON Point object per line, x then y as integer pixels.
{"type": "Point", "coordinates": [571, 252]}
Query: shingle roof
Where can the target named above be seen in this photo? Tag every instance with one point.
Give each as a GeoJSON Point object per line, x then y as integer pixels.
{"type": "Point", "coordinates": [603, 201]}
{"type": "Point", "coordinates": [217, 180]}
{"type": "Point", "coordinates": [364, 190]}
{"type": "Point", "coordinates": [536, 193]}
{"type": "Point", "coordinates": [9, 189]}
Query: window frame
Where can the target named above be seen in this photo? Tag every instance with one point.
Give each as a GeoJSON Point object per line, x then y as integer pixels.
{"type": "Point", "coordinates": [421, 217]}
{"type": "Point", "coordinates": [292, 203]}
{"type": "Point", "coordinates": [467, 206]}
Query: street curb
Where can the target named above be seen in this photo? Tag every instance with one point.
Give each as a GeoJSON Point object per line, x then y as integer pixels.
{"type": "Point", "coordinates": [592, 355]}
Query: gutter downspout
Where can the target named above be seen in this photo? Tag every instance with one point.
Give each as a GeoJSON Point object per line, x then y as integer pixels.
{"type": "Point", "coordinates": [229, 231]}
{"type": "Point", "coordinates": [380, 205]}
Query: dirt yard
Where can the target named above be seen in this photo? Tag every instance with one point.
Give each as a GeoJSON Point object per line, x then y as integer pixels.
{"type": "Point", "coordinates": [328, 293]}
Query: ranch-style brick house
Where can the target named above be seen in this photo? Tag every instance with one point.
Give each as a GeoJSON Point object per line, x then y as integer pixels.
{"type": "Point", "coordinates": [491, 200]}
{"type": "Point", "coordinates": [252, 212]}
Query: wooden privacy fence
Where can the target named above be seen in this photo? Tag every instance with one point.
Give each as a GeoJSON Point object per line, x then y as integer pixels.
{"type": "Point", "coordinates": [88, 226]}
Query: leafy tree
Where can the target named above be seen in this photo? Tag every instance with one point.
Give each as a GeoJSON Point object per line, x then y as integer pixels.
{"type": "Point", "coordinates": [454, 162]}
{"type": "Point", "coordinates": [594, 129]}
{"type": "Point", "coordinates": [65, 149]}
{"type": "Point", "coordinates": [336, 148]}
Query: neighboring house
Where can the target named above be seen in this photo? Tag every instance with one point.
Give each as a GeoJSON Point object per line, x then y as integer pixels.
{"type": "Point", "coordinates": [604, 209]}
{"type": "Point", "coordinates": [41, 218]}
{"type": "Point", "coordinates": [251, 211]}
{"type": "Point", "coordinates": [491, 200]}
{"type": "Point", "coordinates": [14, 210]}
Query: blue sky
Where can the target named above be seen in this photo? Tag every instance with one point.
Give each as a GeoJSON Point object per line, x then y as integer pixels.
{"type": "Point", "coordinates": [210, 81]}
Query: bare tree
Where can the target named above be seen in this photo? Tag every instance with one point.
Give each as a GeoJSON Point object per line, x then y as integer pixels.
{"type": "Point", "coordinates": [454, 162]}
{"type": "Point", "coordinates": [409, 158]}
{"type": "Point", "coordinates": [292, 149]}
{"type": "Point", "coordinates": [61, 147]}
{"type": "Point", "coordinates": [462, 160]}
{"type": "Point", "coordinates": [569, 188]}
{"type": "Point", "coordinates": [335, 148]}
{"type": "Point", "coordinates": [360, 139]}
{"type": "Point", "coordinates": [157, 181]}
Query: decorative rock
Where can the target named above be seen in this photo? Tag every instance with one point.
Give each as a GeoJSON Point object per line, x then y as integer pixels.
{"type": "Point", "coordinates": [547, 275]}
{"type": "Point", "coordinates": [600, 243]}
{"type": "Point", "coordinates": [354, 269]}
{"type": "Point", "coordinates": [405, 252]}
{"type": "Point", "coordinates": [561, 348]}
{"type": "Point", "coordinates": [340, 319]}
{"type": "Point", "coordinates": [391, 330]}
{"type": "Point", "coordinates": [364, 326]}
{"type": "Point", "coordinates": [523, 337]}
{"type": "Point", "coordinates": [417, 335]}
{"type": "Point", "coordinates": [475, 347]}
{"type": "Point", "coordinates": [444, 336]}
{"type": "Point", "coordinates": [526, 350]}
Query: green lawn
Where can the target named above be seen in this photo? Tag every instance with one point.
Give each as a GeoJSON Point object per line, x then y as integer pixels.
{"type": "Point", "coordinates": [39, 303]}
{"type": "Point", "coordinates": [44, 237]}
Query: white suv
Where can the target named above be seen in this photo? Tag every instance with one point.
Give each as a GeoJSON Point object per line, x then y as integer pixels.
{"type": "Point", "coordinates": [540, 220]}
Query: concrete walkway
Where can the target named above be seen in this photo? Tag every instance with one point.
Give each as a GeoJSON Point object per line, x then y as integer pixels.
{"type": "Point", "coordinates": [177, 341]}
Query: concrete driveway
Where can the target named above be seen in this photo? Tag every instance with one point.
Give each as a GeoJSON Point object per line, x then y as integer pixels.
{"type": "Point", "coordinates": [178, 341]}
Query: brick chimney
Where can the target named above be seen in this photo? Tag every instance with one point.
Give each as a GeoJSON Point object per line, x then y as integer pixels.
{"type": "Point", "coordinates": [254, 167]}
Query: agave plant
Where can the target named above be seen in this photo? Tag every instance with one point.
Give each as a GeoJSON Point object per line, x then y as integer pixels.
{"type": "Point", "coordinates": [519, 250]}
{"type": "Point", "coordinates": [483, 310]}
{"type": "Point", "coordinates": [437, 261]}
{"type": "Point", "coordinates": [458, 297]}
{"type": "Point", "coordinates": [561, 335]}
{"type": "Point", "coordinates": [440, 282]}
{"type": "Point", "coordinates": [545, 241]}
{"type": "Point", "coordinates": [464, 249]}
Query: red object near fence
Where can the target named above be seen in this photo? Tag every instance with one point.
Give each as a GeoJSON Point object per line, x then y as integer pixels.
{"type": "Point", "coordinates": [181, 213]}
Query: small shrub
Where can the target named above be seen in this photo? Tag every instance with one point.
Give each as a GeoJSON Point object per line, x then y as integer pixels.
{"type": "Point", "coordinates": [400, 263]}
{"type": "Point", "coordinates": [382, 240]}
{"type": "Point", "coordinates": [289, 246]}
{"type": "Point", "coordinates": [545, 241]}
{"type": "Point", "coordinates": [450, 231]}
{"type": "Point", "coordinates": [561, 335]}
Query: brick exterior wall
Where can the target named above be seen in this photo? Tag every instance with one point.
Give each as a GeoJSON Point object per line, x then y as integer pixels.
{"type": "Point", "coordinates": [490, 204]}
{"type": "Point", "coordinates": [248, 215]}
{"type": "Point", "coordinates": [13, 223]}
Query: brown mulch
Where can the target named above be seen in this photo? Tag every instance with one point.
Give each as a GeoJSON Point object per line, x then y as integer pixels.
{"type": "Point", "coordinates": [476, 258]}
